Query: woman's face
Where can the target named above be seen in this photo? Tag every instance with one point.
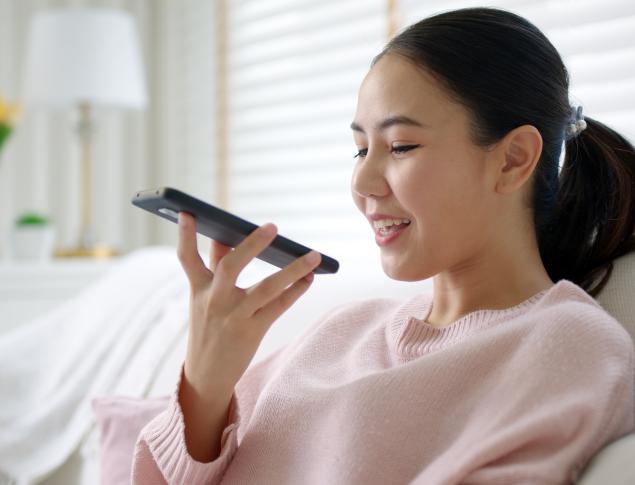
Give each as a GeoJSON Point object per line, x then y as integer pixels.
{"type": "Point", "coordinates": [438, 179]}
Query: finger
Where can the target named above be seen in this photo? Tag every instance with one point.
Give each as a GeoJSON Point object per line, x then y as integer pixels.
{"type": "Point", "coordinates": [187, 252]}
{"type": "Point", "coordinates": [216, 252]}
{"type": "Point", "coordinates": [275, 308]}
{"type": "Point", "coordinates": [271, 287]}
{"type": "Point", "coordinates": [233, 263]}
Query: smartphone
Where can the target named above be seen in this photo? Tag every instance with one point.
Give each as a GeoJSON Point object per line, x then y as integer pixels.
{"type": "Point", "coordinates": [223, 226]}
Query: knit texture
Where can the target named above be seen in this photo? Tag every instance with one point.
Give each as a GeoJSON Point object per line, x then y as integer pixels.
{"type": "Point", "coordinates": [373, 394]}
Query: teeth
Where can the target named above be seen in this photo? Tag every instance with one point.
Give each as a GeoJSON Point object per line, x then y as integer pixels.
{"type": "Point", "coordinates": [389, 222]}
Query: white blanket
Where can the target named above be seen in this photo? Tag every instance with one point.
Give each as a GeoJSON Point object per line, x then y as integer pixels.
{"type": "Point", "coordinates": [109, 339]}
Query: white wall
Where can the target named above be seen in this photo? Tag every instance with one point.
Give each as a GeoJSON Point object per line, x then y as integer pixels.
{"type": "Point", "coordinates": [170, 143]}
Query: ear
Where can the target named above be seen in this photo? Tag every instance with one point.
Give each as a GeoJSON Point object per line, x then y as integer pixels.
{"type": "Point", "coordinates": [518, 155]}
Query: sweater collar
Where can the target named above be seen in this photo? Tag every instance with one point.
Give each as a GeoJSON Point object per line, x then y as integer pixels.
{"type": "Point", "coordinates": [409, 335]}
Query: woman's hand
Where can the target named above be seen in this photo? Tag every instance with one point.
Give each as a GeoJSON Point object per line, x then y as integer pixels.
{"type": "Point", "coordinates": [227, 323]}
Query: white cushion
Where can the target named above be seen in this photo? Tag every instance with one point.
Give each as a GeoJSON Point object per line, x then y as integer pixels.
{"type": "Point", "coordinates": [614, 464]}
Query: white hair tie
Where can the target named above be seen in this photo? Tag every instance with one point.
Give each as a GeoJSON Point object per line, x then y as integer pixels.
{"type": "Point", "coordinates": [577, 123]}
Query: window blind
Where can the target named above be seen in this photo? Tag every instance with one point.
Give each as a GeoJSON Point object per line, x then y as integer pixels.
{"type": "Point", "coordinates": [294, 68]}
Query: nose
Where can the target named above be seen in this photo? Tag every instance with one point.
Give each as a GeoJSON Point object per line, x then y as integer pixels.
{"type": "Point", "coordinates": [368, 177]}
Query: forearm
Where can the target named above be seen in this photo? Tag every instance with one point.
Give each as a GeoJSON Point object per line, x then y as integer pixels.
{"type": "Point", "coordinates": [205, 419]}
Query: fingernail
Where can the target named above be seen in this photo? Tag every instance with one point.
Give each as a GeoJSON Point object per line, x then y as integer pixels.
{"type": "Point", "coordinates": [268, 229]}
{"type": "Point", "coordinates": [313, 257]}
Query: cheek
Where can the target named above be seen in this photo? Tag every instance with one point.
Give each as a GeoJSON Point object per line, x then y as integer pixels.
{"type": "Point", "coordinates": [440, 198]}
{"type": "Point", "coordinates": [459, 219]}
{"type": "Point", "coordinates": [419, 189]}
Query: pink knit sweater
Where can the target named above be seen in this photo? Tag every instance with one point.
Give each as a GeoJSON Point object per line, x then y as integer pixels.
{"type": "Point", "coordinates": [372, 394]}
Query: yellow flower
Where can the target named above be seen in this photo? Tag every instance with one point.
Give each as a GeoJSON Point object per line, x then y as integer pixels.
{"type": "Point", "coordinates": [9, 112]}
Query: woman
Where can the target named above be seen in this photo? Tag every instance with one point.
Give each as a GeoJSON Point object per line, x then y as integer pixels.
{"type": "Point", "coordinates": [510, 372]}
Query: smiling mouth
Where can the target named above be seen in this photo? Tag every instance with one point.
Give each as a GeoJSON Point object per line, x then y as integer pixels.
{"type": "Point", "coordinates": [388, 230]}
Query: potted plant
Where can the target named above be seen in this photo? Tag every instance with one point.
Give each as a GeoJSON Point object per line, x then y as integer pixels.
{"type": "Point", "coordinates": [32, 237]}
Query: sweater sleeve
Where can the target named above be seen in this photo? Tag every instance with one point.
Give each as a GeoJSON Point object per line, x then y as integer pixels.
{"type": "Point", "coordinates": [161, 455]}
{"type": "Point", "coordinates": [570, 394]}
{"type": "Point", "coordinates": [160, 451]}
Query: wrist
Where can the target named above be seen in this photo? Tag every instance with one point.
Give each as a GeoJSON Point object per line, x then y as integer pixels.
{"type": "Point", "coordinates": [204, 390]}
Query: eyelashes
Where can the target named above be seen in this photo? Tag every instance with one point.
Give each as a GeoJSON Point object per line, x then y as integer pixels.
{"type": "Point", "coordinates": [360, 154]}
{"type": "Point", "coordinates": [398, 149]}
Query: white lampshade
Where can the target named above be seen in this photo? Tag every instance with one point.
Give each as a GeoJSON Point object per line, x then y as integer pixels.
{"type": "Point", "coordinates": [84, 54]}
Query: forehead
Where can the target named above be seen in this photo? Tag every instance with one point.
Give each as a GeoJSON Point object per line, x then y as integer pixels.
{"type": "Point", "coordinates": [396, 85]}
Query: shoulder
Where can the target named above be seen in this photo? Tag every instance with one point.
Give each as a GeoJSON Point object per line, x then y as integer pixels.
{"type": "Point", "coordinates": [569, 345]}
{"type": "Point", "coordinates": [572, 319]}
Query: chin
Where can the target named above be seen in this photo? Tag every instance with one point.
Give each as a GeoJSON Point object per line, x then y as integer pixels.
{"type": "Point", "coordinates": [400, 273]}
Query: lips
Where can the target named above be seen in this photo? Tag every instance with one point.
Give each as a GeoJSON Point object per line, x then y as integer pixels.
{"type": "Point", "coordinates": [377, 215]}
{"type": "Point", "coordinates": [388, 239]}
{"type": "Point", "coordinates": [394, 226]}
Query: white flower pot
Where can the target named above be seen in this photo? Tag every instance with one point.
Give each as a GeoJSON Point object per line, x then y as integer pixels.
{"type": "Point", "coordinates": [33, 243]}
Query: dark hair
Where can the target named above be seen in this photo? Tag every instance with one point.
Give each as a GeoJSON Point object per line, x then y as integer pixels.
{"type": "Point", "coordinates": [506, 73]}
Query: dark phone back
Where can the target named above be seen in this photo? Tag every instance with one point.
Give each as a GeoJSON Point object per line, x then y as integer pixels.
{"type": "Point", "coordinates": [223, 226]}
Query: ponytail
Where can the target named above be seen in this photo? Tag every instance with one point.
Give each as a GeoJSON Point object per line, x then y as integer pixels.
{"type": "Point", "coordinates": [593, 221]}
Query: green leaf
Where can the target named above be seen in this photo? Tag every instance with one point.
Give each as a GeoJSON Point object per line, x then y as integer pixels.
{"type": "Point", "coordinates": [31, 219]}
{"type": "Point", "coordinates": [5, 131]}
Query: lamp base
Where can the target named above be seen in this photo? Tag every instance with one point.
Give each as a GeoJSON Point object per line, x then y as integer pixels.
{"type": "Point", "coordinates": [98, 251]}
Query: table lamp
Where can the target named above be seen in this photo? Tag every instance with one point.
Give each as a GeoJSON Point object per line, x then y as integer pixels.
{"type": "Point", "coordinates": [80, 58]}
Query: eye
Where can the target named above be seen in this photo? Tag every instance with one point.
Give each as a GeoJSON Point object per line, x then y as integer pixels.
{"type": "Point", "coordinates": [403, 148]}
{"type": "Point", "coordinates": [396, 149]}
{"type": "Point", "coordinates": [360, 154]}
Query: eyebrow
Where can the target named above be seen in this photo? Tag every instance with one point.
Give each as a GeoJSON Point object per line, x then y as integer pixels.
{"type": "Point", "coordinates": [388, 122]}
